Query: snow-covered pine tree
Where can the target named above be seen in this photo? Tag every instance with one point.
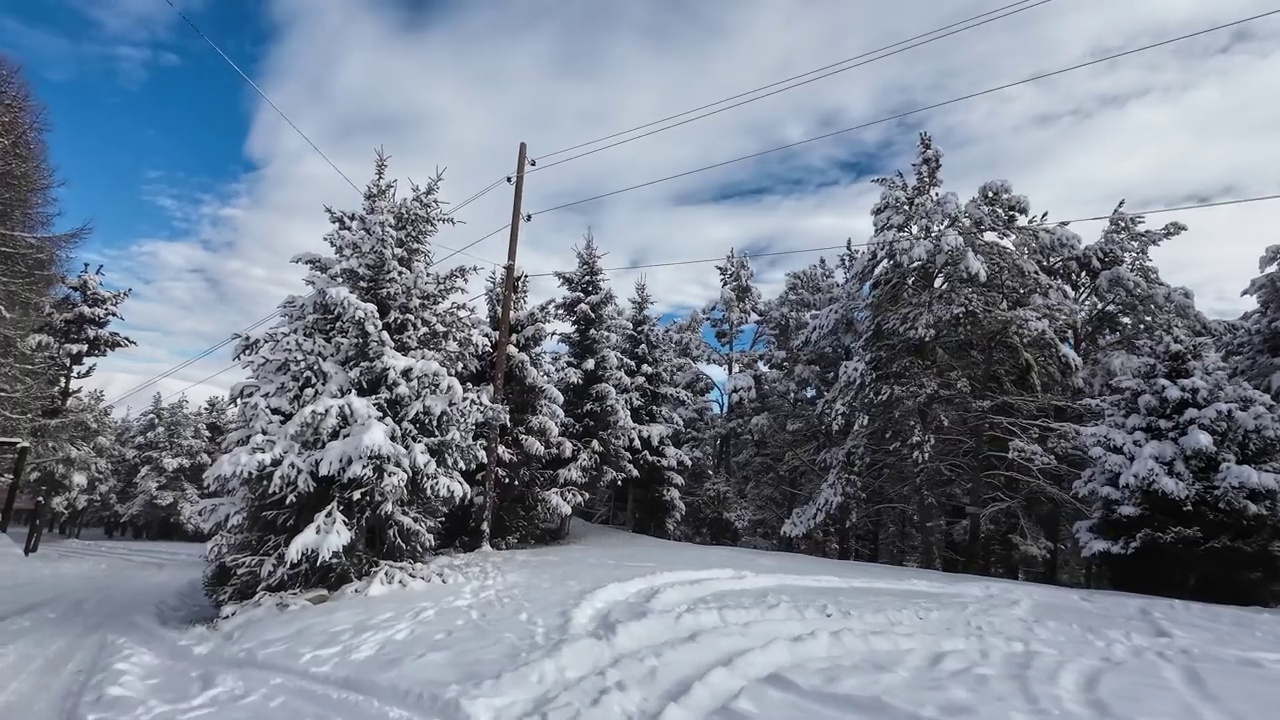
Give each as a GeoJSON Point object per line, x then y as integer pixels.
{"type": "Point", "coordinates": [1253, 343]}
{"type": "Point", "coordinates": [1183, 483]}
{"type": "Point", "coordinates": [218, 420]}
{"type": "Point", "coordinates": [114, 496]}
{"type": "Point", "coordinates": [886, 404]}
{"type": "Point", "coordinates": [1117, 301]}
{"type": "Point", "coordinates": [529, 497]}
{"type": "Point", "coordinates": [171, 453]}
{"type": "Point", "coordinates": [357, 428]}
{"type": "Point", "coordinates": [787, 433]}
{"type": "Point", "coordinates": [76, 459]}
{"type": "Point", "coordinates": [712, 505]}
{"type": "Point", "coordinates": [657, 403]}
{"type": "Point", "coordinates": [737, 348]}
{"type": "Point", "coordinates": [728, 356]}
{"type": "Point", "coordinates": [594, 380]}
{"type": "Point", "coordinates": [76, 330]}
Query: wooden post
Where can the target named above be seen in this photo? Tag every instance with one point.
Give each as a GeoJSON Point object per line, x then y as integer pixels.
{"type": "Point", "coordinates": [500, 351]}
{"type": "Point", "coordinates": [11, 497]}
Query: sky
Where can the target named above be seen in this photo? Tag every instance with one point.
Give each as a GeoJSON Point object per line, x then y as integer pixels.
{"type": "Point", "coordinates": [199, 192]}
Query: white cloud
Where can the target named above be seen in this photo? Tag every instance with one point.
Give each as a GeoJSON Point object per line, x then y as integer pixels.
{"type": "Point", "coordinates": [462, 87]}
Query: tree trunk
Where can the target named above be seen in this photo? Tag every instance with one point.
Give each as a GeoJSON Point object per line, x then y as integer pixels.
{"type": "Point", "coordinates": [631, 505]}
{"type": "Point", "coordinates": [35, 529]}
{"type": "Point", "coordinates": [928, 536]}
{"type": "Point", "coordinates": [953, 559]}
{"type": "Point", "coordinates": [977, 481]}
{"type": "Point", "coordinates": [1051, 526]}
{"type": "Point", "coordinates": [11, 497]}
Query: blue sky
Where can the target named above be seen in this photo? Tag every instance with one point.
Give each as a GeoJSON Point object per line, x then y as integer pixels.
{"type": "Point", "coordinates": [141, 117]}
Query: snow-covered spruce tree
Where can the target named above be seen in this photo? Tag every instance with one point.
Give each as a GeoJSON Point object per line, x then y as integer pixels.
{"type": "Point", "coordinates": [77, 328]}
{"type": "Point", "coordinates": [947, 338]}
{"type": "Point", "coordinates": [657, 403]}
{"type": "Point", "coordinates": [170, 448]}
{"type": "Point", "coordinates": [1253, 342]}
{"type": "Point", "coordinates": [730, 358]}
{"type": "Point", "coordinates": [218, 421]}
{"type": "Point", "coordinates": [712, 505]}
{"type": "Point", "coordinates": [885, 405]}
{"type": "Point", "coordinates": [1117, 302]}
{"type": "Point", "coordinates": [113, 497]}
{"type": "Point", "coordinates": [356, 427]}
{"type": "Point", "coordinates": [1183, 483]}
{"type": "Point", "coordinates": [529, 498]}
{"type": "Point", "coordinates": [594, 380]}
{"type": "Point", "coordinates": [76, 459]}
{"type": "Point", "coordinates": [787, 433]}
{"type": "Point", "coordinates": [738, 347]}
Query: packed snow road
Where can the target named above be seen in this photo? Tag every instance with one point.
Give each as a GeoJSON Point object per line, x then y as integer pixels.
{"type": "Point", "coordinates": [617, 626]}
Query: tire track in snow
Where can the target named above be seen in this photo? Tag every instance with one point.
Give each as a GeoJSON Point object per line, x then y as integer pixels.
{"type": "Point", "coordinates": [773, 646]}
{"type": "Point", "coordinates": [639, 666]}
{"type": "Point", "coordinates": [584, 617]}
{"type": "Point", "coordinates": [231, 675]}
{"type": "Point", "coordinates": [717, 688]}
{"type": "Point", "coordinates": [1193, 689]}
{"type": "Point", "coordinates": [85, 551]}
{"type": "Point", "coordinates": [681, 594]}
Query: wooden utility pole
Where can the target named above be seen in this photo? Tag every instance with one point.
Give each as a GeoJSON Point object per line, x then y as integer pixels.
{"type": "Point", "coordinates": [500, 350]}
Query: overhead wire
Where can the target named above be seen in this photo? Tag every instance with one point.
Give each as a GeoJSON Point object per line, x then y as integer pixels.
{"type": "Point", "coordinates": [209, 351]}
{"type": "Point", "coordinates": [535, 167]}
{"type": "Point", "coordinates": [290, 122]}
{"type": "Point", "coordinates": [826, 248]}
{"type": "Point", "coordinates": [901, 47]}
{"type": "Point", "coordinates": [908, 113]}
{"type": "Point", "coordinates": [779, 253]}
{"type": "Point", "coordinates": [234, 365]}
{"type": "Point", "coordinates": [773, 150]}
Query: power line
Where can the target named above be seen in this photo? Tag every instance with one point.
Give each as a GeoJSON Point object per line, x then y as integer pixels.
{"type": "Point", "coordinates": [776, 253]}
{"type": "Point", "coordinates": [908, 113]}
{"type": "Point", "coordinates": [206, 353]}
{"type": "Point", "coordinates": [192, 360]}
{"type": "Point", "coordinates": [257, 324]}
{"type": "Point", "coordinates": [825, 248]}
{"type": "Point", "coordinates": [535, 168]}
{"type": "Point", "coordinates": [905, 47]}
{"type": "Point", "coordinates": [261, 94]}
{"type": "Point", "coordinates": [234, 365]}
{"type": "Point", "coordinates": [293, 125]}
{"type": "Point", "coordinates": [777, 149]}
{"type": "Point", "coordinates": [476, 196]}
{"type": "Point", "coordinates": [472, 244]}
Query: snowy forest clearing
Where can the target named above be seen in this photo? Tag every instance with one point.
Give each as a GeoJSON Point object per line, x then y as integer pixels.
{"type": "Point", "coordinates": [617, 625]}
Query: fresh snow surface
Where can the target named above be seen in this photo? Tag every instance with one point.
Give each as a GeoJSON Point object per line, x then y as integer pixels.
{"type": "Point", "coordinates": [612, 625]}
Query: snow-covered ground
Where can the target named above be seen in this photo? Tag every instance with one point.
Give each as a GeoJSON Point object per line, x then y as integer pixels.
{"type": "Point", "coordinates": [617, 626]}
